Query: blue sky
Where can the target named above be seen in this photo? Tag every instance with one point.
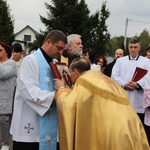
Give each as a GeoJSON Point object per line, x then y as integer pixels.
{"type": "Point", "coordinates": [26, 12]}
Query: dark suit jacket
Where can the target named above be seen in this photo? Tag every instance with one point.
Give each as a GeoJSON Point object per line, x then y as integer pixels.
{"type": "Point", "coordinates": [108, 68]}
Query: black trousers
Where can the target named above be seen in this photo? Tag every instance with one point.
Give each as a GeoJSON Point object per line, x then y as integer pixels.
{"type": "Point", "coordinates": [147, 128]}
{"type": "Point", "coordinates": [27, 146]}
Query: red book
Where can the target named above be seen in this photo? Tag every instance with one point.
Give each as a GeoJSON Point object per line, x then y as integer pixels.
{"type": "Point", "coordinates": [139, 74]}
{"type": "Point", "coordinates": [60, 70]}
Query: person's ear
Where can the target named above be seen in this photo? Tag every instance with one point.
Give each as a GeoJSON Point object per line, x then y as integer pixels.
{"type": "Point", "coordinates": [49, 41]}
{"type": "Point", "coordinates": [77, 73]}
{"type": "Point", "coordinates": [139, 48]}
{"type": "Point", "coordinates": [69, 47]}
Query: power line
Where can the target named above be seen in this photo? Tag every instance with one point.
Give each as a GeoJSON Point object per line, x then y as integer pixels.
{"type": "Point", "coordinates": [139, 21]}
{"type": "Point", "coordinates": [28, 19]}
{"type": "Point", "coordinates": [126, 24]}
{"type": "Point", "coordinates": [115, 25]}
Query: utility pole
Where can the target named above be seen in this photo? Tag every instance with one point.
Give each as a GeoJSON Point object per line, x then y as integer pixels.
{"type": "Point", "coordinates": [125, 37]}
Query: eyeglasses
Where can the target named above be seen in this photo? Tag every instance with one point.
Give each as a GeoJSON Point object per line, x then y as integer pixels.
{"type": "Point", "coordinates": [133, 47]}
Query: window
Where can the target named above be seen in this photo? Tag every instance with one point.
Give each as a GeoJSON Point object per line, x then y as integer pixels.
{"type": "Point", "coordinates": [27, 37]}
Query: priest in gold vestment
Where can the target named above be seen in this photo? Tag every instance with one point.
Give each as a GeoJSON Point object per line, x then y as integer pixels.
{"type": "Point", "coordinates": [96, 114]}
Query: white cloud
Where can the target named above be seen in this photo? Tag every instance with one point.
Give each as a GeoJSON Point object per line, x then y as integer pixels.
{"type": "Point", "coordinates": [26, 12]}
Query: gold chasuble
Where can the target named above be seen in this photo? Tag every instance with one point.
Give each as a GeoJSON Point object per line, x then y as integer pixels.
{"type": "Point", "coordinates": [97, 115]}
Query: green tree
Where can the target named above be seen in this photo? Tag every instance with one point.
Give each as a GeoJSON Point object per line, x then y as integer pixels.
{"type": "Point", "coordinates": [6, 23]}
{"type": "Point", "coordinates": [144, 41]}
{"type": "Point", "coordinates": [73, 16]}
{"type": "Point", "coordinates": [70, 16]}
{"type": "Point", "coordinates": [101, 35]}
{"type": "Point", "coordinates": [118, 42]}
{"type": "Point", "coordinates": [114, 43]}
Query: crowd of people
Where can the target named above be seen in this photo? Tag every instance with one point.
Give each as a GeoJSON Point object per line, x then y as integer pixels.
{"type": "Point", "coordinates": [105, 109]}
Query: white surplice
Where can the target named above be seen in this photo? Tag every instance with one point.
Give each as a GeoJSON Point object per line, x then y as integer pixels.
{"type": "Point", "coordinates": [30, 102]}
{"type": "Point", "coordinates": [122, 73]}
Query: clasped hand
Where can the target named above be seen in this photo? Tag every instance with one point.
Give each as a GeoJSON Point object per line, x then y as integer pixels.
{"type": "Point", "coordinates": [58, 84]}
{"type": "Point", "coordinates": [130, 85]}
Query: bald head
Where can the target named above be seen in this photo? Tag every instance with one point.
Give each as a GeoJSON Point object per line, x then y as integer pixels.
{"type": "Point", "coordinates": [119, 53]}
{"type": "Point", "coordinates": [80, 64]}
{"type": "Point", "coordinates": [78, 67]}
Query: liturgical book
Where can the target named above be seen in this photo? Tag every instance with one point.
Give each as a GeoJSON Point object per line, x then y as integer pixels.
{"type": "Point", "coordinates": [60, 70]}
{"type": "Point", "coordinates": [139, 74]}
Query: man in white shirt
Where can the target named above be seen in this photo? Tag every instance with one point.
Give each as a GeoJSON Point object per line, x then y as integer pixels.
{"type": "Point", "coordinates": [34, 121]}
{"type": "Point", "coordinates": [122, 73]}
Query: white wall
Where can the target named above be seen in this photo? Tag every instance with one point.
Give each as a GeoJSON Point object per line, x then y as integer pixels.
{"type": "Point", "coordinates": [26, 31]}
{"type": "Point", "coordinates": [20, 37]}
